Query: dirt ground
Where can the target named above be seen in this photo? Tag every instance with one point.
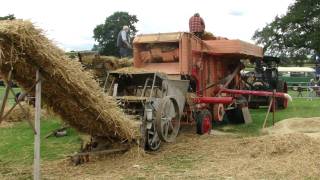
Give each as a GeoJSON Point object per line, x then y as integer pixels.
{"type": "Point", "coordinates": [293, 155]}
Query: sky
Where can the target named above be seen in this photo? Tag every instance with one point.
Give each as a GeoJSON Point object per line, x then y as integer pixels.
{"type": "Point", "coordinates": [70, 23]}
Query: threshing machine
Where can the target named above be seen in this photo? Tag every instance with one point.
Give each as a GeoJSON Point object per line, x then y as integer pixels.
{"type": "Point", "coordinates": [180, 79]}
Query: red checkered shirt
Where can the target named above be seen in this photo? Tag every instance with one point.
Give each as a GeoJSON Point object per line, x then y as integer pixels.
{"type": "Point", "coordinates": [196, 24]}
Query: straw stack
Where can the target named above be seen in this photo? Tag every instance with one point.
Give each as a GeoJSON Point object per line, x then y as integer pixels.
{"type": "Point", "coordinates": [101, 65]}
{"type": "Point", "coordinates": [70, 91]}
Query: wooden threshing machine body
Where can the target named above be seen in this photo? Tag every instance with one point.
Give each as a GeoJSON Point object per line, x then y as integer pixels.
{"type": "Point", "coordinates": [184, 56]}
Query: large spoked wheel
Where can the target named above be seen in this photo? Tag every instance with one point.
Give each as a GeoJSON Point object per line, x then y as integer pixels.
{"type": "Point", "coordinates": [168, 119]}
{"type": "Point", "coordinates": [152, 141]}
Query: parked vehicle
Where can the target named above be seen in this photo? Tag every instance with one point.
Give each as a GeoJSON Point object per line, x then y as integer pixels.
{"type": "Point", "coordinates": [296, 76]}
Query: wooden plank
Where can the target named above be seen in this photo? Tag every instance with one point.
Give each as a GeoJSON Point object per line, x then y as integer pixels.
{"type": "Point", "coordinates": [269, 109]}
{"type": "Point", "coordinates": [36, 173]}
{"type": "Point", "coordinates": [3, 104]}
{"type": "Point", "coordinates": [234, 47]}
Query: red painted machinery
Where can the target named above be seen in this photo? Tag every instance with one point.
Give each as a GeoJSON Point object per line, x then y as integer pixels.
{"type": "Point", "coordinates": [183, 77]}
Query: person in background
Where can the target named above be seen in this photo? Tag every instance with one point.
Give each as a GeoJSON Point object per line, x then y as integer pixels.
{"type": "Point", "coordinates": [123, 42]}
{"type": "Point", "coordinates": [299, 90]}
{"type": "Point", "coordinates": [197, 25]}
{"type": "Point", "coordinates": [311, 85]}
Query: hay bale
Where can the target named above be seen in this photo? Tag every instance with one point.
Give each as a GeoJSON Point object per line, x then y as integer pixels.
{"type": "Point", "coordinates": [67, 88]}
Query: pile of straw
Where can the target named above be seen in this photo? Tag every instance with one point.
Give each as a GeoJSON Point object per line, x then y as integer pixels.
{"type": "Point", "coordinates": [208, 36]}
{"type": "Point", "coordinates": [28, 113]}
{"type": "Point", "coordinates": [17, 113]}
{"type": "Point", "coordinates": [101, 65]}
{"type": "Point", "coordinates": [67, 88]}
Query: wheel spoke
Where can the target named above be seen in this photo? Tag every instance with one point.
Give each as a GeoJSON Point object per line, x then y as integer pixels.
{"type": "Point", "coordinates": [166, 129]}
{"type": "Point", "coordinates": [171, 125]}
{"type": "Point", "coordinates": [165, 120]}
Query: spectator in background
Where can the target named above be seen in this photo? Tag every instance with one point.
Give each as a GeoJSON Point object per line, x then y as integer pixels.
{"type": "Point", "coordinates": [317, 84]}
{"type": "Point", "coordinates": [196, 25]}
{"type": "Point", "coordinates": [299, 90]}
{"type": "Point", "coordinates": [311, 85]}
{"type": "Point", "coordinates": [123, 42]}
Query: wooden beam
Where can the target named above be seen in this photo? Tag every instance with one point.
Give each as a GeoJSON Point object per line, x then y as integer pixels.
{"type": "Point", "coordinates": [231, 77]}
{"type": "Point", "coordinates": [23, 110]}
{"type": "Point", "coordinates": [269, 109]}
{"type": "Point", "coordinates": [5, 98]}
{"type": "Point", "coordinates": [8, 112]}
{"type": "Point", "coordinates": [36, 173]}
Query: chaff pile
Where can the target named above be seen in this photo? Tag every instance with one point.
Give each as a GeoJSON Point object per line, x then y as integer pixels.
{"type": "Point", "coordinates": [67, 88]}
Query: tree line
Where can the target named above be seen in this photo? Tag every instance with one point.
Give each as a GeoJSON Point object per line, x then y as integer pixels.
{"type": "Point", "coordinates": [294, 36]}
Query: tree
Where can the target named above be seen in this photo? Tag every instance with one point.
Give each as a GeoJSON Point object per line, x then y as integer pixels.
{"type": "Point", "coordinates": [296, 34]}
{"type": "Point", "coordinates": [106, 34]}
{"type": "Point", "coordinates": [8, 17]}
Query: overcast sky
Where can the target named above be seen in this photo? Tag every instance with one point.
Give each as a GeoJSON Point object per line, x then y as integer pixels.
{"type": "Point", "coordinates": [70, 23]}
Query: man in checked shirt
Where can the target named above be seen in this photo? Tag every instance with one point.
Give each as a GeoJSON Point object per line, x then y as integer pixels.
{"type": "Point", "coordinates": [196, 25]}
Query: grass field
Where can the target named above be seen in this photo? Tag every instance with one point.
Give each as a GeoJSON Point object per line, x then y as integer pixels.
{"type": "Point", "coordinates": [17, 143]}
{"type": "Point", "coordinates": [10, 97]}
{"type": "Point", "coordinates": [297, 108]}
{"type": "Point", "coordinates": [16, 147]}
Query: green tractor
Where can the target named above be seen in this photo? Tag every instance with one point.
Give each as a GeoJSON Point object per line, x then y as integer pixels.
{"type": "Point", "coordinates": [265, 77]}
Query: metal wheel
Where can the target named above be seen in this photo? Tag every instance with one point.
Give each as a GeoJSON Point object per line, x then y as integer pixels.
{"type": "Point", "coordinates": [218, 112]}
{"type": "Point", "coordinates": [168, 119]}
{"type": "Point", "coordinates": [204, 122]}
{"type": "Point", "coordinates": [152, 141]}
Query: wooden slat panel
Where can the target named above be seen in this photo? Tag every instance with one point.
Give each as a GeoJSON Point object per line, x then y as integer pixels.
{"type": "Point", "coordinates": [234, 47]}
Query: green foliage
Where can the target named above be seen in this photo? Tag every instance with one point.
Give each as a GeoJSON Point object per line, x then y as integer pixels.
{"type": "Point", "coordinates": [106, 34]}
{"type": "Point", "coordinates": [8, 17]}
{"type": "Point", "coordinates": [296, 34]}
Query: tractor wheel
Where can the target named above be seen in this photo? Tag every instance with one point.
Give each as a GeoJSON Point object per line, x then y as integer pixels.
{"type": "Point", "coordinates": [204, 122]}
{"type": "Point", "coordinates": [168, 119]}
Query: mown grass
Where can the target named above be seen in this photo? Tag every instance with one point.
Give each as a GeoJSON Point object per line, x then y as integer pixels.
{"type": "Point", "coordinates": [10, 97]}
{"type": "Point", "coordinates": [17, 143]}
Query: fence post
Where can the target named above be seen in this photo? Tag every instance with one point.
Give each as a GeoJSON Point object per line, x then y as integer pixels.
{"type": "Point", "coordinates": [36, 173]}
